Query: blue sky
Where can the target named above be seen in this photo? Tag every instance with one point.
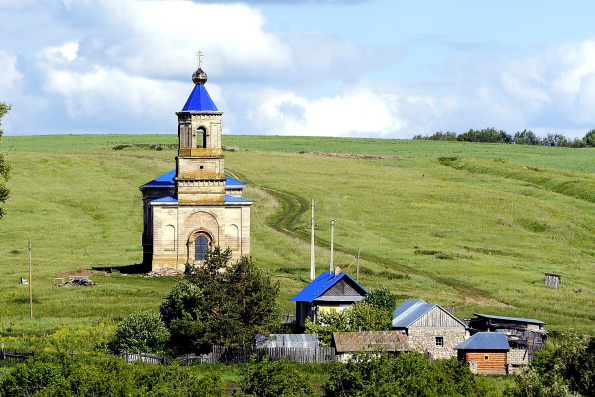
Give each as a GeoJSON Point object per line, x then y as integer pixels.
{"type": "Point", "coordinates": [373, 68]}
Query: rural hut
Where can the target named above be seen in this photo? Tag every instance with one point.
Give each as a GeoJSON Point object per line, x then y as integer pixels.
{"type": "Point", "coordinates": [525, 335]}
{"type": "Point", "coordinates": [429, 327]}
{"type": "Point", "coordinates": [485, 352]}
{"type": "Point", "coordinates": [552, 280]}
{"type": "Point", "coordinates": [329, 291]}
{"type": "Point", "coordinates": [346, 343]}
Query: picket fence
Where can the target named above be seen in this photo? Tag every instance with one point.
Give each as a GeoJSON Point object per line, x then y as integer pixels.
{"type": "Point", "coordinates": [144, 357]}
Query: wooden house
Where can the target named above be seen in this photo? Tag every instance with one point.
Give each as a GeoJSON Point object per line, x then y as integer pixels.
{"type": "Point", "coordinates": [329, 291]}
{"type": "Point", "coordinates": [525, 335]}
{"type": "Point", "coordinates": [485, 352]}
{"type": "Point", "coordinates": [346, 343]}
{"type": "Point", "coordinates": [429, 327]}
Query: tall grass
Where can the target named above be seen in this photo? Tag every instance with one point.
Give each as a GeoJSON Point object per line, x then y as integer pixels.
{"type": "Point", "coordinates": [492, 228]}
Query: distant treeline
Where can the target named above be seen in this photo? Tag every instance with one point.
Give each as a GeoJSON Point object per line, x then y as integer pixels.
{"type": "Point", "coordinates": [525, 137]}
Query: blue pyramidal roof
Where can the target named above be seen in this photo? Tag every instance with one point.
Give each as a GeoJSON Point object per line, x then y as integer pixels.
{"type": "Point", "coordinates": [199, 99]}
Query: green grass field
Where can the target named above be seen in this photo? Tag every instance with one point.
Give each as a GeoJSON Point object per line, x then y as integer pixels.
{"type": "Point", "coordinates": [474, 224]}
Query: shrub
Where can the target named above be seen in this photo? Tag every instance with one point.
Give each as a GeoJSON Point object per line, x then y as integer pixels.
{"type": "Point", "coordinates": [140, 332]}
{"type": "Point", "coordinates": [274, 379]}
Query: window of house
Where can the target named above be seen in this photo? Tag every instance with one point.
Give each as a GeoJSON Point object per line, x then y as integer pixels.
{"type": "Point", "coordinates": [440, 341]}
{"type": "Point", "coordinates": [486, 357]}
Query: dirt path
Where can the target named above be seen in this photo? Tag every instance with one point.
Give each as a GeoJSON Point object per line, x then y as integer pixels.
{"type": "Point", "coordinates": [294, 207]}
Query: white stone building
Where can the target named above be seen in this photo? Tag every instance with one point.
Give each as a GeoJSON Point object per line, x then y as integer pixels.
{"type": "Point", "coordinates": [196, 206]}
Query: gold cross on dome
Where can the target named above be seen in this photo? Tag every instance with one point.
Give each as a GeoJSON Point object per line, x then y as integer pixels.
{"type": "Point", "coordinates": [198, 55]}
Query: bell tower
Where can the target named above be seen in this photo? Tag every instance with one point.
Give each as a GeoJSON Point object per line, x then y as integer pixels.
{"type": "Point", "coordinates": [196, 206]}
{"type": "Point", "coordinates": [200, 175]}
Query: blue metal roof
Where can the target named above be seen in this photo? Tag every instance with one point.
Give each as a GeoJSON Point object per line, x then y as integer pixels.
{"type": "Point", "coordinates": [320, 285]}
{"type": "Point", "coordinates": [234, 199]}
{"type": "Point", "coordinates": [167, 199]}
{"type": "Point", "coordinates": [167, 179]}
{"type": "Point", "coordinates": [518, 319]}
{"type": "Point", "coordinates": [199, 99]}
{"type": "Point", "coordinates": [485, 341]}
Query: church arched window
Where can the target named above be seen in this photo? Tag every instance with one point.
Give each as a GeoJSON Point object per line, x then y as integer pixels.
{"type": "Point", "coordinates": [200, 247]}
{"type": "Point", "coordinates": [201, 137]}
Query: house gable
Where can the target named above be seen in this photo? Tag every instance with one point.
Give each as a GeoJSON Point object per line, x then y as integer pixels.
{"type": "Point", "coordinates": [343, 288]}
{"type": "Point", "coordinates": [437, 317]}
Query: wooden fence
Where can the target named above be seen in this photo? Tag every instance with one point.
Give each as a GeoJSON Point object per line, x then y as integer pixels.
{"type": "Point", "coordinates": [232, 355]}
{"type": "Point", "coordinates": [14, 355]}
{"type": "Point", "coordinates": [144, 357]}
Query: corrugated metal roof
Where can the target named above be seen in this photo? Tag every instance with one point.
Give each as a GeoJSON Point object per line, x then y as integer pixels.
{"type": "Point", "coordinates": [485, 341]}
{"type": "Point", "coordinates": [370, 340]}
{"type": "Point", "coordinates": [167, 179]}
{"type": "Point", "coordinates": [409, 311]}
{"type": "Point", "coordinates": [517, 319]}
{"type": "Point", "coordinates": [287, 340]}
{"type": "Point", "coordinates": [199, 99]}
{"type": "Point", "coordinates": [321, 284]}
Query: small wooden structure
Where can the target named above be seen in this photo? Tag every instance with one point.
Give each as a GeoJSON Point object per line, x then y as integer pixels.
{"type": "Point", "coordinates": [552, 280]}
{"type": "Point", "coordinates": [348, 342]}
{"type": "Point", "coordinates": [485, 352]}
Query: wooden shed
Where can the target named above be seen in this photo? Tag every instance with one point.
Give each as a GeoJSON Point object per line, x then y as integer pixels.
{"type": "Point", "coordinates": [348, 342]}
{"type": "Point", "coordinates": [552, 280]}
{"type": "Point", "coordinates": [485, 352]}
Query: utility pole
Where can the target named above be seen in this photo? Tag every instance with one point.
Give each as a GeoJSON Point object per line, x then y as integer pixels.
{"type": "Point", "coordinates": [332, 243]}
{"type": "Point", "coordinates": [30, 284]}
{"type": "Point", "coordinates": [312, 261]}
{"type": "Point", "coordinates": [357, 267]}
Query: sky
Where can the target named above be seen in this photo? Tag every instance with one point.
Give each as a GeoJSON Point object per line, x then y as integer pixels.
{"type": "Point", "coordinates": [358, 68]}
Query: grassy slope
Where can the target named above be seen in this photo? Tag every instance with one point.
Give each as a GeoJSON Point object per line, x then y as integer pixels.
{"type": "Point", "coordinates": [501, 222]}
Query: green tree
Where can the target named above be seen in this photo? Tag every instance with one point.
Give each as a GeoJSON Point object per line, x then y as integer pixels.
{"type": "Point", "coordinates": [360, 316]}
{"type": "Point", "coordinates": [569, 370]}
{"type": "Point", "coordinates": [140, 332]}
{"type": "Point", "coordinates": [221, 302]}
{"type": "Point", "coordinates": [590, 138]}
{"type": "Point", "coordinates": [274, 378]}
{"type": "Point", "coordinates": [4, 166]}
{"type": "Point", "coordinates": [383, 299]}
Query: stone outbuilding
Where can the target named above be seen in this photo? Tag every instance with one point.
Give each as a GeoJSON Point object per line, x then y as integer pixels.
{"type": "Point", "coordinates": [485, 352]}
{"type": "Point", "coordinates": [196, 206]}
{"type": "Point", "coordinates": [429, 328]}
{"type": "Point", "coordinates": [327, 292]}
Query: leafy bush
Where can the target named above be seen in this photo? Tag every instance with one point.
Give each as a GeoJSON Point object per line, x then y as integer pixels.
{"type": "Point", "coordinates": [360, 316]}
{"type": "Point", "coordinates": [140, 332]}
{"type": "Point", "coordinates": [377, 374]}
{"type": "Point", "coordinates": [568, 370]}
{"type": "Point", "coordinates": [274, 378]}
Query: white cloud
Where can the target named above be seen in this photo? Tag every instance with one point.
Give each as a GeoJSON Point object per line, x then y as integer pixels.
{"type": "Point", "coordinates": [9, 75]}
{"type": "Point", "coordinates": [66, 52]}
{"type": "Point", "coordinates": [359, 112]}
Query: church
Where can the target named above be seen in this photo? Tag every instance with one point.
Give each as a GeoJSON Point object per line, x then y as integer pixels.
{"type": "Point", "coordinates": [196, 206]}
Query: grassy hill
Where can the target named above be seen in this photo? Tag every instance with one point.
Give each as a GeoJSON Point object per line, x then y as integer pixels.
{"type": "Point", "coordinates": [475, 224]}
